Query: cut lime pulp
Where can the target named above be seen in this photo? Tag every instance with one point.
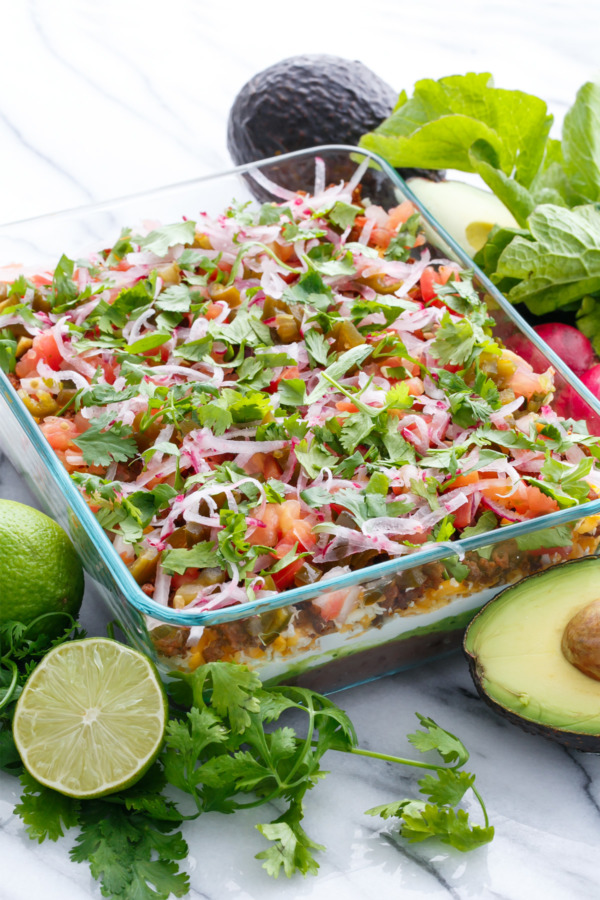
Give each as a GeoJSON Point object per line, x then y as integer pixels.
{"type": "Point", "coordinates": [91, 718]}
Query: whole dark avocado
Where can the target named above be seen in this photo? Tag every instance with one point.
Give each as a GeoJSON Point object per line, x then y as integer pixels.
{"type": "Point", "coordinates": [306, 101]}
{"type": "Point", "coordinates": [534, 653]}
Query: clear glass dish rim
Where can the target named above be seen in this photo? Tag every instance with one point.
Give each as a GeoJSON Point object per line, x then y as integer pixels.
{"type": "Point", "coordinates": [433, 553]}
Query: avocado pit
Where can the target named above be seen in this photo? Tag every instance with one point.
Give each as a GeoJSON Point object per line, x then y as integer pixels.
{"type": "Point", "coordinates": [581, 640]}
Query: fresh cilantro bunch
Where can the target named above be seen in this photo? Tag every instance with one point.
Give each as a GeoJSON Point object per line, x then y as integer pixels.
{"type": "Point", "coordinates": [236, 748]}
{"type": "Point", "coordinates": [230, 744]}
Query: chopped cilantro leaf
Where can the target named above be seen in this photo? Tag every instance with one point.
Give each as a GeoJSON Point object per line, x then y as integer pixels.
{"type": "Point", "coordinates": [8, 350]}
{"type": "Point", "coordinates": [100, 447]}
{"type": "Point", "coordinates": [343, 214]}
{"type": "Point", "coordinates": [159, 241]}
{"type": "Point", "coordinates": [201, 556]}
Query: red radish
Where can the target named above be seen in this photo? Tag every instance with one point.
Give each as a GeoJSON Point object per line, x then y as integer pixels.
{"type": "Point", "coordinates": [567, 342]}
{"type": "Point", "coordinates": [591, 379]}
{"type": "Point", "coordinates": [569, 404]}
{"type": "Point", "coordinates": [570, 344]}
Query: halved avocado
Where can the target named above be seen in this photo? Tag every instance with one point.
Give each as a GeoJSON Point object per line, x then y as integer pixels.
{"type": "Point", "coordinates": [517, 661]}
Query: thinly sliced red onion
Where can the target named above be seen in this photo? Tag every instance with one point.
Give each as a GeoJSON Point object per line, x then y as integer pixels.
{"type": "Point", "coordinates": [44, 371]}
{"type": "Point", "coordinates": [162, 587]}
{"type": "Point", "coordinates": [275, 189]}
{"type": "Point", "coordinates": [420, 438]}
{"type": "Point", "coordinates": [357, 177]}
{"type": "Point", "coordinates": [174, 371]}
{"type": "Point", "coordinates": [501, 414]}
{"type": "Point", "coordinates": [211, 445]}
{"type": "Point", "coordinates": [346, 542]}
{"type": "Point", "coordinates": [132, 330]}
{"type": "Point", "coordinates": [454, 503]}
{"type": "Point", "coordinates": [433, 391]}
{"type": "Point", "coordinates": [509, 514]}
{"type": "Point", "coordinates": [366, 232]}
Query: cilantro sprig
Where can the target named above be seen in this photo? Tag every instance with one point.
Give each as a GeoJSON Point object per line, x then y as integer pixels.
{"type": "Point", "coordinates": [444, 790]}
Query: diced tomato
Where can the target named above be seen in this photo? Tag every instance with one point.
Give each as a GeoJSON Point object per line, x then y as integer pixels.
{"type": "Point", "coordinates": [287, 374]}
{"type": "Point", "coordinates": [27, 364]}
{"type": "Point", "coordinates": [462, 480]}
{"type": "Point", "coordinates": [427, 281]}
{"type": "Point", "coordinates": [188, 577]}
{"type": "Point", "coordinates": [525, 499]}
{"type": "Point", "coordinates": [283, 528]}
{"type": "Point", "coordinates": [431, 277]}
{"type": "Point", "coordinates": [463, 516]}
{"type": "Point", "coordinates": [45, 345]}
{"type": "Point", "coordinates": [271, 468]}
{"type": "Point", "coordinates": [213, 310]}
{"type": "Point", "coordinates": [59, 432]}
{"type": "Point", "coordinates": [538, 502]}
{"type": "Point", "coordinates": [395, 362]}
{"type": "Point", "coordinates": [41, 280]}
{"type": "Point", "coordinates": [400, 214]}
{"type": "Point", "coordinates": [44, 348]}
{"type": "Point", "coordinates": [526, 383]}
{"type": "Point", "coordinates": [263, 464]}
{"type": "Point", "coordinates": [108, 368]}
{"type": "Point", "coordinates": [221, 266]}
{"type": "Point", "coordinates": [415, 386]}
{"type": "Point", "coordinates": [337, 604]}
{"type": "Point", "coordinates": [266, 534]}
{"type": "Point", "coordinates": [330, 604]}
{"type": "Point", "coordinates": [561, 551]}
{"type": "Point", "coordinates": [346, 406]}
{"type": "Point", "coordinates": [285, 577]}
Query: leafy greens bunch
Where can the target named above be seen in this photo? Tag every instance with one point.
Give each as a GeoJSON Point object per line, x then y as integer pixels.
{"type": "Point", "coordinates": [230, 752]}
{"type": "Point", "coordinates": [552, 187]}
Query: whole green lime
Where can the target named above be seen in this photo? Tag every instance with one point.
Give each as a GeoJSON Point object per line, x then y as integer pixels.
{"type": "Point", "coordinates": [40, 571]}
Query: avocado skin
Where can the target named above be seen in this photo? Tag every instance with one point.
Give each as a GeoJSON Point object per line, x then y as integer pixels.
{"type": "Point", "coordinates": [587, 743]}
{"type": "Point", "coordinates": [306, 101]}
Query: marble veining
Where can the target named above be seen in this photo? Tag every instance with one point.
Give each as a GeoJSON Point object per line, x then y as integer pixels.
{"type": "Point", "coordinates": [105, 99]}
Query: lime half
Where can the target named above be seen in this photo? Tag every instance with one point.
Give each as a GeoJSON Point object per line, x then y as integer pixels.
{"type": "Point", "coordinates": [91, 718]}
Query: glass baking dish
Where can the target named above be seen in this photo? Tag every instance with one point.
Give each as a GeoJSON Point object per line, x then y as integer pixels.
{"type": "Point", "coordinates": [410, 610]}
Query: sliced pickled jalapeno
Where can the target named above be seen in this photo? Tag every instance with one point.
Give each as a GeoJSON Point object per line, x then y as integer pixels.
{"type": "Point", "coordinates": [273, 622]}
{"type": "Point", "coordinates": [143, 568]}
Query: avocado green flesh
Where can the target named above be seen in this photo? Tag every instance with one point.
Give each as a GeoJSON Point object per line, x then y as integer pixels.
{"type": "Point", "coordinates": [467, 212]}
{"type": "Point", "coordinates": [516, 644]}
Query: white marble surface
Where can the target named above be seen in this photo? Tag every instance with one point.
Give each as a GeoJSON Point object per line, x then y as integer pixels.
{"type": "Point", "coordinates": [101, 99]}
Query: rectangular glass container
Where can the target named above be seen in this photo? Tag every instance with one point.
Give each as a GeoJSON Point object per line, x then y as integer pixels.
{"type": "Point", "coordinates": [408, 612]}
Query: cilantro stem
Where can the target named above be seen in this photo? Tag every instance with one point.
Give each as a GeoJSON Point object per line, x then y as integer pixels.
{"type": "Point", "coordinates": [13, 683]}
{"type": "Point", "coordinates": [261, 800]}
{"type": "Point", "coordinates": [354, 398]}
{"type": "Point", "coordinates": [310, 710]}
{"type": "Point", "coordinates": [482, 805]}
{"type": "Point", "coordinates": [394, 759]}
